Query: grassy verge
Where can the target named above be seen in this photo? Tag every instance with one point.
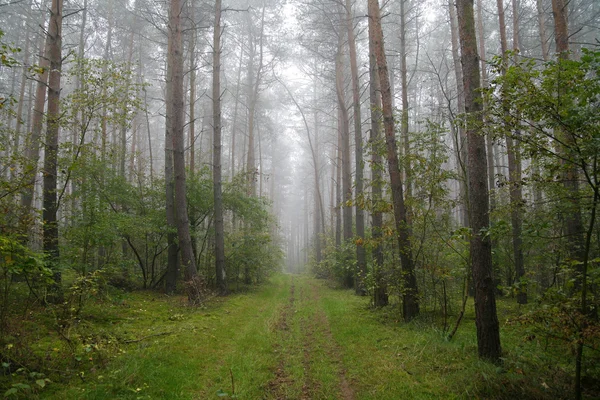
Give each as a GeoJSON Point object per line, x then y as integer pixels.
{"type": "Point", "coordinates": [177, 352]}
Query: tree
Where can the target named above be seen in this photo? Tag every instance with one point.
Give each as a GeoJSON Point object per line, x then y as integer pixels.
{"type": "Point", "coordinates": [486, 319]}
{"type": "Point", "coordinates": [380, 295]}
{"type": "Point", "coordinates": [344, 135]}
{"type": "Point", "coordinates": [410, 301]}
{"type": "Point", "coordinates": [32, 144]}
{"type": "Point", "coordinates": [176, 126]}
{"type": "Point", "coordinates": [217, 177]}
{"type": "Point", "coordinates": [254, 81]}
{"type": "Point", "coordinates": [361, 262]}
{"type": "Point", "coordinates": [50, 190]}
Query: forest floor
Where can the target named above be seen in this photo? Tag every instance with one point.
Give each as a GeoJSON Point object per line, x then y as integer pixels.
{"type": "Point", "coordinates": [291, 338]}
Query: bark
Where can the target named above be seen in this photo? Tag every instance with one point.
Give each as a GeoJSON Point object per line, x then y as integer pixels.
{"type": "Point", "coordinates": [380, 295]}
{"type": "Point", "coordinates": [410, 303]}
{"type": "Point", "coordinates": [234, 127]}
{"type": "Point", "coordinates": [344, 131]}
{"type": "Point", "coordinates": [21, 101]}
{"type": "Point", "coordinates": [107, 56]}
{"type": "Point", "coordinates": [253, 99]}
{"type": "Point", "coordinates": [218, 196]}
{"type": "Point", "coordinates": [516, 192]}
{"type": "Point", "coordinates": [542, 29]}
{"type": "Point", "coordinates": [338, 186]}
{"type": "Point", "coordinates": [461, 140]}
{"type": "Point", "coordinates": [172, 273]}
{"type": "Point", "coordinates": [361, 257]}
{"type": "Point", "coordinates": [50, 198]}
{"type": "Point", "coordinates": [32, 145]}
{"type": "Point", "coordinates": [572, 218]}
{"type": "Point", "coordinates": [484, 81]}
{"type": "Point", "coordinates": [404, 113]}
{"type": "Point", "coordinates": [573, 221]}
{"type": "Point", "coordinates": [486, 319]}
{"type": "Point", "coordinates": [192, 124]}
{"type": "Point", "coordinates": [175, 81]}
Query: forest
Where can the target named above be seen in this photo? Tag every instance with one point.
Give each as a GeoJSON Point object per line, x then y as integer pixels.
{"type": "Point", "coordinates": [299, 199]}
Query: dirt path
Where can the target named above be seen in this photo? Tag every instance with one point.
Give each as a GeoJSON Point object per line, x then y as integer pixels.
{"type": "Point", "coordinates": [310, 363]}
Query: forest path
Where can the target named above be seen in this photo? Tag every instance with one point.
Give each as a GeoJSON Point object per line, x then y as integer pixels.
{"type": "Point", "coordinates": [291, 338]}
{"type": "Point", "coordinates": [310, 364]}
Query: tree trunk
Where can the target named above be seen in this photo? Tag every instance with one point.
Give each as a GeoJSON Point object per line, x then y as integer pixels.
{"type": "Point", "coordinates": [253, 99]}
{"type": "Point", "coordinates": [218, 196]}
{"type": "Point", "coordinates": [404, 113]}
{"type": "Point", "coordinates": [175, 81]}
{"type": "Point", "coordinates": [486, 319]}
{"type": "Point", "coordinates": [461, 140]}
{"type": "Point", "coordinates": [542, 29]}
{"type": "Point", "coordinates": [361, 257]}
{"type": "Point", "coordinates": [516, 191]}
{"type": "Point", "coordinates": [50, 206]}
{"type": "Point", "coordinates": [234, 126]}
{"type": "Point", "coordinates": [338, 185]}
{"type": "Point", "coordinates": [410, 303]}
{"type": "Point", "coordinates": [21, 101]}
{"type": "Point", "coordinates": [192, 123]}
{"type": "Point", "coordinates": [380, 295]}
{"type": "Point", "coordinates": [344, 130]}
{"type": "Point", "coordinates": [32, 145]}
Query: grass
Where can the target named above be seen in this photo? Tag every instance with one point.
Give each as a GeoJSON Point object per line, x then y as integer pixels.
{"type": "Point", "coordinates": [292, 338]}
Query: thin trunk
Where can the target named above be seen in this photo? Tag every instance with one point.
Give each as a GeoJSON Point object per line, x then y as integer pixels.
{"type": "Point", "coordinates": [338, 186]}
{"type": "Point", "coordinates": [516, 191]}
{"type": "Point", "coordinates": [484, 81]}
{"type": "Point", "coordinates": [234, 126]}
{"type": "Point", "coordinates": [21, 101]}
{"type": "Point", "coordinates": [361, 257]}
{"type": "Point", "coordinates": [542, 29]}
{"type": "Point", "coordinates": [192, 124]}
{"type": "Point", "coordinates": [107, 56]}
{"type": "Point", "coordinates": [380, 295]}
{"type": "Point", "coordinates": [32, 145]}
{"type": "Point", "coordinates": [410, 303]}
{"type": "Point", "coordinates": [218, 197]}
{"type": "Point", "coordinates": [175, 82]}
{"type": "Point", "coordinates": [50, 201]}
{"type": "Point", "coordinates": [251, 161]}
{"type": "Point", "coordinates": [172, 273]}
{"type": "Point", "coordinates": [404, 113]}
{"type": "Point", "coordinates": [345, 140]}
{"type": "Point", "coordinates": [461, 140]}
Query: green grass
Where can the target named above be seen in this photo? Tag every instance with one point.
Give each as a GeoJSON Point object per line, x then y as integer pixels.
{"type": "Point", "coordinates": [197, 356]}
{"type": "Point", "coordinates": [309, 342]}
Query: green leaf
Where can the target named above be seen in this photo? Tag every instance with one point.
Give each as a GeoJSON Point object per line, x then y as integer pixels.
{"type": "Point", "coordinates": [41, 383]}
{"type": "Point", "coordinates": [10, 392]}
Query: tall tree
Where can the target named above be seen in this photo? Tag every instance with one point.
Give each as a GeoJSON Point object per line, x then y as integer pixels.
{"type": "Point", "coordinates": [175, 98]}
{"type": "Point", "coordinates": [486, 319]}
{"type": "Point", "coordinates": [410, 301]}
{"type": "Point", "coordinates": [217, 177]}
{"type": "Point", "coordinates": [572, 219]}
{"type": "Point", "coordinates": [344, 134]}
{"type": "Point", "coordinates": [461, 146]}
{"type": "Point", "coordinates": [380, 295]}
{"type": "Point", "coordinates": [254, 81]}
{"type": "Point", "coordinates": [50, 190]}
{"type": "Point", "coordinates": [32, 145]}
{"type": "Point", "coordinates": [361, 260]}
{"type": "Point", "coordinates": [515, 180]}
